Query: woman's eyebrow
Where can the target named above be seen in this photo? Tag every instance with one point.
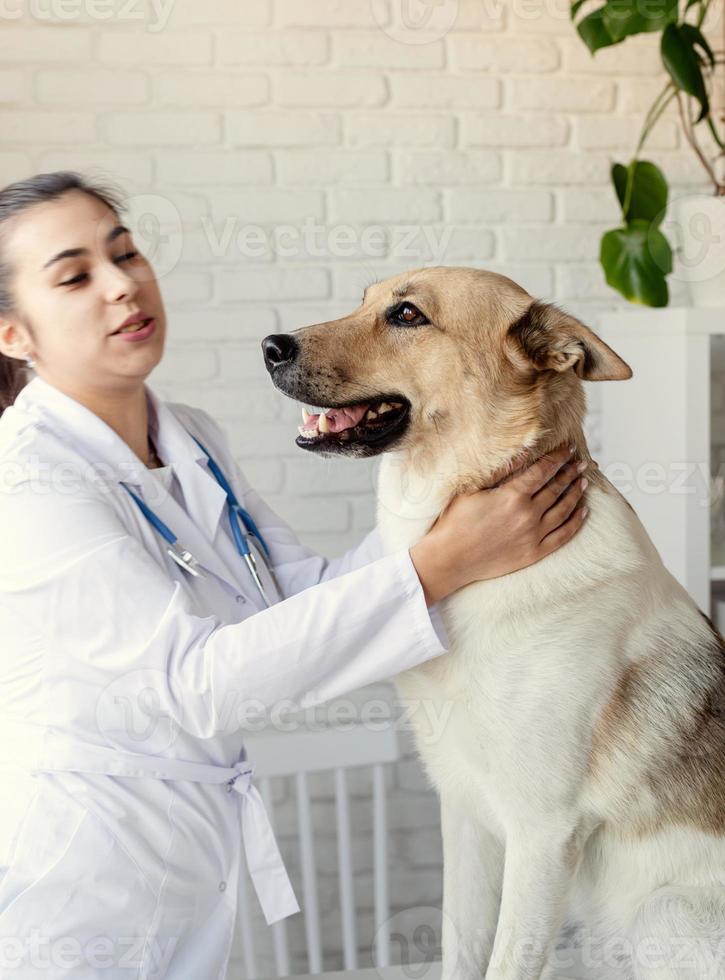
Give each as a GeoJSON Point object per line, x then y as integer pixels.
{"type": "Point", "coordinates": [71, 253]}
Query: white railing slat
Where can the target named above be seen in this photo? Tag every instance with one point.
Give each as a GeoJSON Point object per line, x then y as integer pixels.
{"type": "Point", "coordinates": [309, 880]}
{"type": "Point", "coordinates": [380, 869]}
{"type": "Point", "coordinates": [245, 919]}
{"type": "Point", "coordinates": [344, 860]}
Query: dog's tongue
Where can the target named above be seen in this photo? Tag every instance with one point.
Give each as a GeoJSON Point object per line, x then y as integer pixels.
{"type": "Point", "coordinates": [340, 419]}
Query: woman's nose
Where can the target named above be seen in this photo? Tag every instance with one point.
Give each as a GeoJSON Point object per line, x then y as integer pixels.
{"type": "Point", "coordinates": [120, 285]}
{"type": "Point", "coordinates": [279, 349]}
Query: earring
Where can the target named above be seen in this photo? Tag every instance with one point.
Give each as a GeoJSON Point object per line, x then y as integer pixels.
{"type": "Point", "coordinates": [29, 360]}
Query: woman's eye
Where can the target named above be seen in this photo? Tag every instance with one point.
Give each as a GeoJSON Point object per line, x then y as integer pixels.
{"type": "Point", "coordinates": [409, 315]}
{"type": "Point", "coordinates": [76, 279]}
{"type": "Point", "coordinates": [126, 256]}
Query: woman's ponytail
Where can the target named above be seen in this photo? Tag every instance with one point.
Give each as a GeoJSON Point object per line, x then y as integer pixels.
{"type": "Point", "coordinates": [14, 375]}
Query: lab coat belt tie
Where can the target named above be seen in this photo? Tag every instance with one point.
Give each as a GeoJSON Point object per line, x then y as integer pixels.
{"type": "Point", "coordinates": [266, 868]}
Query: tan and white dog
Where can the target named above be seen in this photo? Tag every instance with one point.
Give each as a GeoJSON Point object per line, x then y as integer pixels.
{"type": "Point", "coordinates": [581, 771]}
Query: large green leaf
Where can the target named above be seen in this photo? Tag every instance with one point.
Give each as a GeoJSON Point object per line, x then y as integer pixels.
{"type": "Point", "coordinates": [617, 19]}
{"type": "Point", "coordinates": [680, 58]}
{"type": "Point", "coordinates": [698, 40]}
{"type": "Point", "coordinates": [636, 259]}
{"type": "Point", "coordinates": [648, 193]}
{"type": "Point", "coordinates": [593, 31]}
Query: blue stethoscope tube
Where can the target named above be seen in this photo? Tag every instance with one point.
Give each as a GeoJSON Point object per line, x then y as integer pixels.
{"type": "Point", "coordinates": [237, 514]}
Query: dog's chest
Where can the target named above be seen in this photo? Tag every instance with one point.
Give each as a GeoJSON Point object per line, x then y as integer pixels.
{"type": "Point", "coordinates": [505, 720]}
{"type": "Point", "coordinates": [502, 721]}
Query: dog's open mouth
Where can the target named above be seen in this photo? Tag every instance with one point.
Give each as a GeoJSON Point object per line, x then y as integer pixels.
{"type": "Point", "coordinates": [364, 428]}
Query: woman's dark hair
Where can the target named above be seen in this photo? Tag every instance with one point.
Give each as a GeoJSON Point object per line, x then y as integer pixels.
{"type": "Point", "coordinates": [14, 200]}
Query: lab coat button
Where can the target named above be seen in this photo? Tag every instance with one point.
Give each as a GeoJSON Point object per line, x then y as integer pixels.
{"type": "Point", "coordinates": [222, 886]}
{"type": "Point", "coordinates": [240, 598]}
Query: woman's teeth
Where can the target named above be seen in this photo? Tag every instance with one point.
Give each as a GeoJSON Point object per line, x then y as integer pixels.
{"type": "Point", "coordinates": [133, 327]}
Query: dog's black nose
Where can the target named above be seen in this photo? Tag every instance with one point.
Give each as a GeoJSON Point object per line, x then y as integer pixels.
{"type": "Point", "coordinates": [279, 349]}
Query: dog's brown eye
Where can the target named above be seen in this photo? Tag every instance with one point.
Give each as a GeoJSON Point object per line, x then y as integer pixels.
{"type": "Point", "coordinates": [408, 315]}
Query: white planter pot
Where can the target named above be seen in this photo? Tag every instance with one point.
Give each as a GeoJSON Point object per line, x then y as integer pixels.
{"type": "Point", "coordinates": [696, 230]}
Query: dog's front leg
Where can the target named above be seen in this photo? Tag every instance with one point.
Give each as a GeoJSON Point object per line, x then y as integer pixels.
{"type": "Point", "coordinates": [472, 880]}
{"type": "Point", "coordinates": [538, 873]}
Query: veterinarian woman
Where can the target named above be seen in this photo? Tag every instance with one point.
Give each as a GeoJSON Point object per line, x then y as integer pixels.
{"type": "Point", "coordinates": [137, 641]}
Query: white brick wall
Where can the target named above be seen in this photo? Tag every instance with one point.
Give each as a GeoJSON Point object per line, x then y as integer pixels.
{"type": "Point", "coordinates": [289, 115]}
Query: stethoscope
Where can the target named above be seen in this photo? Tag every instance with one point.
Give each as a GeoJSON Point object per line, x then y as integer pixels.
{"type": "Point", "coordinates": [237, 513]}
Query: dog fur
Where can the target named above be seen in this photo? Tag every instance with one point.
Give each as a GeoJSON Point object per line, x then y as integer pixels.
{"type": "Point", "coordinates": [581, 771]}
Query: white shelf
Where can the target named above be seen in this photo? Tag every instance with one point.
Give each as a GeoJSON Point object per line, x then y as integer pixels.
{"type": "Point", "coordinates": [669, 320]}
{"type": "Point", "coordinates": [659, 421]}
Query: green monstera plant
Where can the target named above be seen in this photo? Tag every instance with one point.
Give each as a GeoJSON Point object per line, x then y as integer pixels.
{"type": "Point", "coordinates": [636, 256]}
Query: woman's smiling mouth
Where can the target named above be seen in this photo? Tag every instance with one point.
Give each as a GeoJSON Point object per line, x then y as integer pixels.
{"type": "Point", "coordinates": [139, 328]}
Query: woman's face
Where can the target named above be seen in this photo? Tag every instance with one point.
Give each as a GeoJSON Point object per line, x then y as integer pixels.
{"type": "Point", "coordinates": [76, 277]}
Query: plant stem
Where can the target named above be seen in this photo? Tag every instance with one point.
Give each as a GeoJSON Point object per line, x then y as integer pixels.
{"type": "Point", "coordinates": [655, 111]}
{"type": "Point", "coordinates": [689, 131]}
{"type": "Point", "coordinates": [715, 134]}
{"type": "Point", "coordinates": [703, 12]}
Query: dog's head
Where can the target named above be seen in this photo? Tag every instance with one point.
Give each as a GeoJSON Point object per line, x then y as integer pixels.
{"type": "Point", "coordinates": [454, 354]}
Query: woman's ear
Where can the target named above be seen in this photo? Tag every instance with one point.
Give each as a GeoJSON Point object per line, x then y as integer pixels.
{"type": "Point", "coordinates": [12, 342]}
{"type": "Point", "coordinates": [548, 339]}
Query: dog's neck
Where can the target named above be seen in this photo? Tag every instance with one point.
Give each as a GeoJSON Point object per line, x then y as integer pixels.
{"type": "Point", "coordinates": [416, 486]}
{"type": "Point", "coordinates": [470, 465]}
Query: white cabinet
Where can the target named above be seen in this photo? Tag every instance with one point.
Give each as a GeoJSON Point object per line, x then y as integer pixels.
{"type": "Point", "coordinates": [657, 432]}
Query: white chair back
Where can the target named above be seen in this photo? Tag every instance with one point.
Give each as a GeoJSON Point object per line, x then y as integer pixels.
{"type": "Point", "coordinates": [299, 755]}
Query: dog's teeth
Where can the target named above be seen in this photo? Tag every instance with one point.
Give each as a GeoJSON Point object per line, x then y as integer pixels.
{"type": "Point", "coordinates": [396, 404]}
{"type": "Point", "coordinates": [384, 408]}
{"type": "Point", "coordinates": [322, 424]}
{"type": "Point", "coordinates": [371, 414]}
{"type": "Point", "coordinates": [305, 416]}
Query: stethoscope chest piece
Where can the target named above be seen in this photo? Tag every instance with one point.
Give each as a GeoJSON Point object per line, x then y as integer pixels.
{"type": "Point", "coordinates": [185, 560]}
{"type": "Point", "coordinates": [242, 527]}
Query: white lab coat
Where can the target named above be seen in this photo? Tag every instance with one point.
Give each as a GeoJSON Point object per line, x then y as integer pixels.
{"type": "Point", "coordinates": [124, 686]}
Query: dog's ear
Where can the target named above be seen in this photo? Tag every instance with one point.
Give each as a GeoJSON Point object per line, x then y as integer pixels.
{"type": "Point", "coordinates": [549, 339]}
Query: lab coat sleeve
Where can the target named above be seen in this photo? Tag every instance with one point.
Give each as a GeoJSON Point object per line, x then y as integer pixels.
{"type": "Point", "coordinates": [100, 606]}
{"type": "Point", "coordinates": [296, 565]}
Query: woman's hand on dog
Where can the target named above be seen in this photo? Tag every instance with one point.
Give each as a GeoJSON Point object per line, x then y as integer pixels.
{"type": "Point", "coordinates": [489, 533]}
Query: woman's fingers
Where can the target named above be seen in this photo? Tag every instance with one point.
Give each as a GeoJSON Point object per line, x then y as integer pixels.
{"type": "Point", "coordinates": [560, 511]}
{"type": "Point", "coordinates": [534, 477]}
{"type": "Point", "coordinates": [564, 532]}
{"type": "Point", "coordinates": [550, 493]}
